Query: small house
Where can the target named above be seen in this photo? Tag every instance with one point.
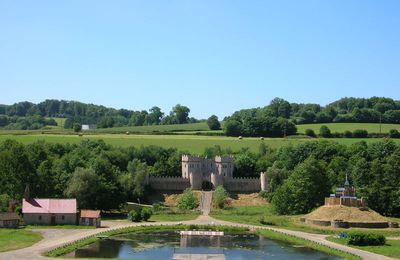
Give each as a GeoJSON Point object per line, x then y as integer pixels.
{"type": "Point", "coordinates": [90, 218]}
{"type": "Point", "coordinates": [49, 211]}
{"type": "Point", "coordinates": [87, 127]}
{"type": "Point", "coordinates": [9, 220]}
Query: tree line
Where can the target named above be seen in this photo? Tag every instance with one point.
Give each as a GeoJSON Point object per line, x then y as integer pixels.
{"type": "Point", "coordinates": [280, 117]}
{"type": "Point", "coordinates": [104, 177]}
{"type": "Point", "coordinates": [12, 116]}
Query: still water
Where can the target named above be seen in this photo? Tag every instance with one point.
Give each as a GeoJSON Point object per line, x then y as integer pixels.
{"type": "Point", "coordinates": [162, 246]}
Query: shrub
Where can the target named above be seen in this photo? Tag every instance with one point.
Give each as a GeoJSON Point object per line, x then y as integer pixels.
{"type": "Point", "coordinates": [77, 127]}
{"type": "Point", "coordinates": [310, 133]}
{"type": "Point", "coordinates": [264, 194]}
{"type": "Point", "coordinates": [360, 133]}
{"type": "Point", "coordinates": [188, 200]}
{"type": "Point", "coordinates": [135, 216]}
{"type": "Point", "coordinates": [365, 239]}
{"type": "Point", "coordinates": [393, 133]}
{"type": "Point", "coordinates": [324, 131]}
{"type": "Point", "coordinates": [157, 207]}
{"type": "Point", "coordinates": [219, 197]}
{"type": "Point", "coordinates": [146, 213]}
{"type": "Point", "coordinates": [348, 134]}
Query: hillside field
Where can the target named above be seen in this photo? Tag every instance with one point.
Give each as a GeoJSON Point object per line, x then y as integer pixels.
{"type": "Point", "coordinates": [341, 127]}
{"type": "Point", "coordinates": [188, 143]}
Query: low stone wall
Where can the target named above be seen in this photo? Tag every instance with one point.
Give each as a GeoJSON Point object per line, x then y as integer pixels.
{"type": "Point", "coordinates": [347, 224]}
{"type": "Point", "coordinates": [242, 184]}
{"type": "Point", "coordinates": [325, 223]}
{"type": "Point", "coordinates": [169, 183]}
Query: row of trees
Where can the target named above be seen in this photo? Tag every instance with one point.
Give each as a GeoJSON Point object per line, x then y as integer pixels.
{"type": "Point", "coordinates": [299, 176]}
{"type": "Point", "coordinates": [357, 110]}
{"type": "Point", "coordinates": [25, 123]}
{"type": "Point", "coordinates": [77, 112]}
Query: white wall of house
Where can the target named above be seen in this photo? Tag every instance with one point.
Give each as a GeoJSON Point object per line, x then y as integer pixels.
{"type": "Point", "coordinates": [45, 219]}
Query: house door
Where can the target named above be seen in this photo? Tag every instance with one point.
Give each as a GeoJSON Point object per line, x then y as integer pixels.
{"type": "Point", "coordinates": [53, 220]}
{"type": "Point", "coordinates": [90, 222]}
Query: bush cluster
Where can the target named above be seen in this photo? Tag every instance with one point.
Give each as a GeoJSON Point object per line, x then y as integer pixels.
{"type": "Point", "coordinates": [137, 215]}
{"type": "Point", "coordinates": [365, 239]}
{"type": "Point", "coordinates": [188, 200]}
{"type": "Point", "coordinates": [220, 197]}
{"type": "Point", "coordinates": [358, 133]}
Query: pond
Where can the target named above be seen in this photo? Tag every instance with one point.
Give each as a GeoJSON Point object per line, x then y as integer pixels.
{"type": "Point", "coordinates": [162, 246]}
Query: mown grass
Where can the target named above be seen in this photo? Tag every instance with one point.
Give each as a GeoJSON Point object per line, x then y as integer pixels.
{"type": "Point", "coordinates": [391, 248]}
{"type": "Point", "coordinates": [253, 215]}
{"type": "Point", "coordinates": [12, 239]}
{"type": "Point", "coordinates": [341, 127]}
{"type": "Point", "coordinates": [186, 143]}
{"type": "Point", "coordinates": [303, 242]}
{"type": "Point", "coordinates": [58, 227]}
{"type": "Point", "coordinates": [165, 217]}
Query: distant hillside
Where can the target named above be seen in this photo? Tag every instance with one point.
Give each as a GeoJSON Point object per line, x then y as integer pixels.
{"type": "Point", "coordinates": [13, 116]}
{"type": "Point", "coordinates": [278, 118]}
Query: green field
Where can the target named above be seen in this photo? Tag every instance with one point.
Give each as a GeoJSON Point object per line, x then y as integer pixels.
{"type": "Point", "coordinates": [188, 143]}
{"type": "Point", "coordinates": [11, 239]}
{"type": "Point", "coordinates": [391, 248]}
{"type": "Point", "coordinates": [341, 127]}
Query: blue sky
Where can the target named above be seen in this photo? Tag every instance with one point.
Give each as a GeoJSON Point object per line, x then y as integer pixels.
{"type": "Point", "coordinates": [213, 56]}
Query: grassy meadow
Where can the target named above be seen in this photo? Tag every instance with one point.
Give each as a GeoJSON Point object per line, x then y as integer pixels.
{"type": "Point", "coordinates": [12, 239]}
{"type": "Point", "coordinates": [188, 143]}
{"type": "Point", "coordinates": [341, 127]}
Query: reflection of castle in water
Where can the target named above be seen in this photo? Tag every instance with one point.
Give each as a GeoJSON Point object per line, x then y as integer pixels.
{"type": "Point", "coordinates": [194, 241]}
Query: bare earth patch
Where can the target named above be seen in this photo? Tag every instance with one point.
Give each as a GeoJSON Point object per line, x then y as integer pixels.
{"type": "Point", "coordinates": [171, 200]}
{"type": "Point", "coordinates": [350, 214]}
{"type": "Point", "coordinates": [253, 199]}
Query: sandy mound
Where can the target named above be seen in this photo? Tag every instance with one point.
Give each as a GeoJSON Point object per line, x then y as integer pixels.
{"type": "Point", "coordinates": [171, 200]}
{"type": "Point", "coordinates": [350, 214]}
{"type": "Point", "coordinates": [253, 199]}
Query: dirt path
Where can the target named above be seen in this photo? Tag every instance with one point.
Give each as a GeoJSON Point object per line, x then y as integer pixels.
{"type": "Point", "coordinates": [54, 238]}
{"type": "Point", "coordinates": [206, 201]}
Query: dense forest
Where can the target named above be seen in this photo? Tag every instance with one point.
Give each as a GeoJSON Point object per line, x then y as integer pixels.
{"type": "Point", "coordinates": [104, 177]}
{"type": "Point", "coordinates": [278, 118]}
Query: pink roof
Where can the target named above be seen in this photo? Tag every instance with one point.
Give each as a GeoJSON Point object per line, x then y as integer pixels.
{"type": "Point", "coordinates": [49, 206]}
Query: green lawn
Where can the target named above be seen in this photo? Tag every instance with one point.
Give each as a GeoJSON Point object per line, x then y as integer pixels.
{"type": "Point", "coordinates": [12, 239]}
{"type": "Point", "coordinates": [391, 248]}
{"type": "Point", "coordinates": [58, 227]}
{"type": "Point", "coordinates": [174, 217]}
{"type": "Point", "coordinates": [341, 127]}
{"type": "Point", "coordinates": [189, 143]}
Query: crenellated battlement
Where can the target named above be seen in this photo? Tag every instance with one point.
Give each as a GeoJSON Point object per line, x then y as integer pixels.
{"type": "Point", "coordinates": [223, 159]}
{"type": "Point", "coordinates": [190, 158]}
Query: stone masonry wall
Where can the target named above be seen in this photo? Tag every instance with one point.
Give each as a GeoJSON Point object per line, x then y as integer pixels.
{"type": "Point", "coordinates": [242, 184]}
{"type": "Point", "coordinates": [168, 183]}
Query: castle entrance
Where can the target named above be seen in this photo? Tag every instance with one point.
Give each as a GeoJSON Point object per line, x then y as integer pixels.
{"type": "Point", "coordinates": [207, 186]}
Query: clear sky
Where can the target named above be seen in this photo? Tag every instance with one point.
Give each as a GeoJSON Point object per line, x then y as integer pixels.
{"type": "Point", "coordinates": [213, 56]}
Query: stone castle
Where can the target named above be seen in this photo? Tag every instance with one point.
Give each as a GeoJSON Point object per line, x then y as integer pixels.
{"type": "Point", "coordinates": [206, 174]}
{"type": "Point", "coordinates": [345, 196]}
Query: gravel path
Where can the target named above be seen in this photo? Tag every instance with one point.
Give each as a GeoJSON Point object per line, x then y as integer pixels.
{"type": "Point", "coordinates": [54, 238]}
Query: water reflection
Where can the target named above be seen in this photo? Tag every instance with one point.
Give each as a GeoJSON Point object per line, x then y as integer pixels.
{"type": "Point", "coordinates": [162, 246]}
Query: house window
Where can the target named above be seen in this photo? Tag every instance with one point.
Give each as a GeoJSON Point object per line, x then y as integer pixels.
{"type": "Point", "coordinates": [62, 217]}
{"type": "Point", "coordinates": [40, 217]}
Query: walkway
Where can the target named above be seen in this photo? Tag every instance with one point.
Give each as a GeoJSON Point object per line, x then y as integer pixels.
{"type": "Point", "coordinates": [206, 202]}
{"type": "Point", "coordinates": [50, 242]}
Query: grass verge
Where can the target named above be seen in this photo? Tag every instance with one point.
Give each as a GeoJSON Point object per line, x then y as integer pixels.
{"type": "Point", "coordinates": [12, 239]}
{"type": "Point", "coordinates": [299, 241]}
{"type": "Point", "coordinates": [59, 227]}
{"type": "Point", "coordinates": [390, 249]}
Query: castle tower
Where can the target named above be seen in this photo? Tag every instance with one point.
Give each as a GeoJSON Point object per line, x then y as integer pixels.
{"type": "Point", "coordinates": [192, 170]}
{"type": "Point", "coordinates": [224, 166]}
{"type": "Point", "coordinates": [263, 181]}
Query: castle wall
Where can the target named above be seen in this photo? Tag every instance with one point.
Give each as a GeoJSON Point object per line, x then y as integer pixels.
{"type": "Point", "coordinates": [168, 183]}
{"type": "Point", "coordinates": [242, 184]}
